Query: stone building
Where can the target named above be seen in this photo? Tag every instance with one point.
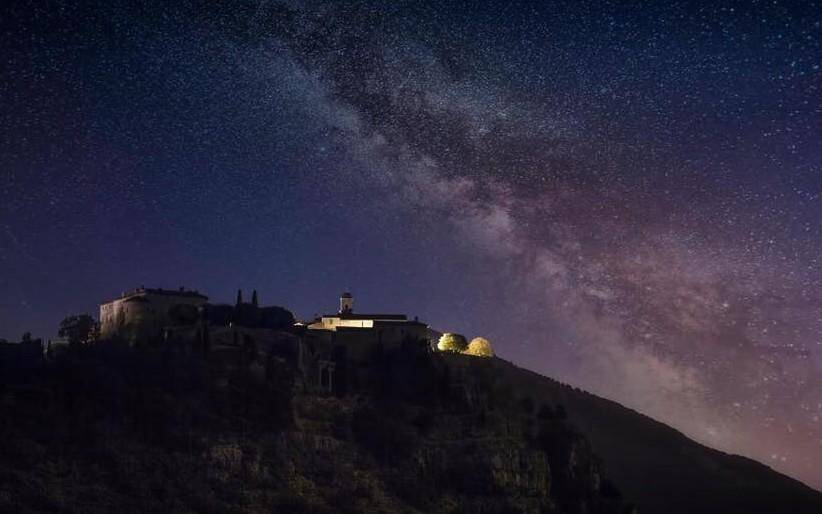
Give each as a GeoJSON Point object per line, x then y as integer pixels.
{"type": "Point", "coordinates": [367, 329]}
{"type": "Point", "coordinates": [144, 312]}
{"type": "Point", "coordinates": [334, 353]}
{"type": "Point", "coordinates": [342, 343]}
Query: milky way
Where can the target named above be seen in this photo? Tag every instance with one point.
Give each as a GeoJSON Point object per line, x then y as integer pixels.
{"type": "Point", "coordinates": [624, 196]}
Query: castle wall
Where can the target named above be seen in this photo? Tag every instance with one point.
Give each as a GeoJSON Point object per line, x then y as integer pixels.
{"type": "Point", "coordinates": [141, 315]}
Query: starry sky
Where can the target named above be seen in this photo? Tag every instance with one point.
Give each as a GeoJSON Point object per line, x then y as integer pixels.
{"type": "Point", "coordinates": [621, 195]}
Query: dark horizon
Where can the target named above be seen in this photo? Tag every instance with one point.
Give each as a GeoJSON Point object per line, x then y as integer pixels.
{"type": "Point", "coordinates": [622, 195]}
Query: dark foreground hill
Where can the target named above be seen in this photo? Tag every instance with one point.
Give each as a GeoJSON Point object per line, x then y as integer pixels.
{"type": "Point", "coordinates": [169, 429]}
{"type": "Point", "coordinates": [660, 469]}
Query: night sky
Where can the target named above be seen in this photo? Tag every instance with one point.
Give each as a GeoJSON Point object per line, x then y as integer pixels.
{"type": "Point", "coordinates": [624, 196]}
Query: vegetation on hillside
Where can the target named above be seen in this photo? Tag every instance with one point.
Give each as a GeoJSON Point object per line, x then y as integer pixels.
{"type": "Point", "coordinates": [176, 428]}
{"type": "Point", "coordinates": [455, 343]}
{"type": "Point", "coordinates": [479, 347]}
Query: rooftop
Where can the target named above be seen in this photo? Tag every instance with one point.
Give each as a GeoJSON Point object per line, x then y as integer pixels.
{"type": "Point", "coordinates": [351, 315]}
{"type": "Point", "coordinates": [144, 291]}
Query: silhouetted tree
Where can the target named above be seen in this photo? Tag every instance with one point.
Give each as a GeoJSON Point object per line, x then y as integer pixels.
{"type": "Point", "coordinates": [78, 329]}
{"type": "Point", "coordinates": [275, 317]}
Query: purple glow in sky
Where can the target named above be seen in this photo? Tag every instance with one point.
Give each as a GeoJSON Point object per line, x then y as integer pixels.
{"type": "Point", "coordinates": [622, 195]}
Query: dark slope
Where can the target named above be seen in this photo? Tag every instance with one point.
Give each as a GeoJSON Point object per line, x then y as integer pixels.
{"type": "Point", "coordinates": [659, 468]}
{"type": "Point", "coordinates": [111, 428]}
{"type": "Point", "coordinates": [174, 429]}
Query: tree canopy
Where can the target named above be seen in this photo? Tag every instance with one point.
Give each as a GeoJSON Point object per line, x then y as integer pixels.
{"type": "Point", "coordinates": [452, 343]}
{"type": "Point", "coordinates": [79, 328]}
{"type": "Point", "coordinates": [480, 347]}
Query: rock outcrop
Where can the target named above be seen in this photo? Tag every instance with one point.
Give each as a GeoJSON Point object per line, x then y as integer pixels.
{"type": "Point", "coordinates": [179, 429]}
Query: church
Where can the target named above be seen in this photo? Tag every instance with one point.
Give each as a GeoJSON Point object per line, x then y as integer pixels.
{"type": "Point", "coordinates": [387, 329]}
{"type": "Point", "coordinates": [338, 348]}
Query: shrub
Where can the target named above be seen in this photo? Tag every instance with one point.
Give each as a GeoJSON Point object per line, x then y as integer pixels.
{"type": "Point", "coordinates": [80, 328]}
{"type": "Point", "coordinates": [275, 317]}
{"type": "Point", "coordinates": [452, 343]}
{"type": "Point", "coordinates": [480, 347]}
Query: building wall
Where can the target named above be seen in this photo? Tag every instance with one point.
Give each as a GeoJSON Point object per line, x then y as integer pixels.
{"type": "Point", "coordinates": [332, 322]}
{"type": "Point", "coordinates": [371, 331]}
{"type": "Point", "coordinates": [395, 333]}
{"type": "Point", "coordinates": [140, 315]}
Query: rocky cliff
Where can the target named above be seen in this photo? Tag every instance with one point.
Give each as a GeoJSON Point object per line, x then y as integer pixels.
{"type": "Point", "coordinates": [164, 430]}
{"type": "Point", "coordinates": [173, 429]}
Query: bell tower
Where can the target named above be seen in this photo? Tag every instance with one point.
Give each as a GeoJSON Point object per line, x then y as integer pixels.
{"type": "Point", "coordinates": [346, 303]}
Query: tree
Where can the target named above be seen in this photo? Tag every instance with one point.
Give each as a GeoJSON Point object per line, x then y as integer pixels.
{"type": "Point", "coordinates": [452, 343]}
{"type": "Point", "coordinates": [275, 317]}
{"type": "Point", "coordinates": [480, 347]}
{"type": "Point", "coordinates": [78, 329]}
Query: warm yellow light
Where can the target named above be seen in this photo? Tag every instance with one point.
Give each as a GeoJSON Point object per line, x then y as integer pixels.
{"type": "Point", "coordinates": [480, 347]}
{"type": "Point", "coordinates": [452, 343]}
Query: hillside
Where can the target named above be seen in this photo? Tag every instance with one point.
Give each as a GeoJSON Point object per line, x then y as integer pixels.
{"type": "Point", "coordinates": [174, 429]}
{"type": "Point", "coordinates": [234, 429]}
{"type": "Point", "coordinates": [659, 468]}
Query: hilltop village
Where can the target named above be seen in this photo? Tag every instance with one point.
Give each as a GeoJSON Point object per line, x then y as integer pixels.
{"type": "Point", "coordinates": [329, 352]}
{"type": "Point", "coordinates": [171, 403]}
{"type": "Point", "coordinates": [325, 351]}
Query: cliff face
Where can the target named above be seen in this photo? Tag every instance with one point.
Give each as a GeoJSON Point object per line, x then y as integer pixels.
{"type": "Point", "coordinates": [154, 431]}
{"type": "Point", "coordinates": [174, 429]}
{"type": "Point", "coordinates": [334, 462]}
